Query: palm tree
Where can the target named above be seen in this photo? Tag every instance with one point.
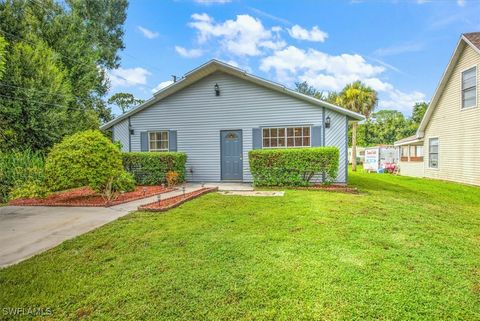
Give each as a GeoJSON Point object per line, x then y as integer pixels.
{"type": "Point", "coordinates": [361, 99]}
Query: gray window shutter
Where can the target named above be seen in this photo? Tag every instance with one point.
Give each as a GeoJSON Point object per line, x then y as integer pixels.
{"type": "Point", "coordinates": [172, 140]}
{"type": "Point", "coordinates": [144, 141]}
{"type": "Point", "coordinates": [316, 136]}
{"type": "Point", "coordinates": [256, 138]}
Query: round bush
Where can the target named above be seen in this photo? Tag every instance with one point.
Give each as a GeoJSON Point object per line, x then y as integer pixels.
{"type": "Point", "coordinates": [83, 159]}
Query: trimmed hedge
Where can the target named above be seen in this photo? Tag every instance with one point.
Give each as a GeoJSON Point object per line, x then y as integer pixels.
{"type": "Point", "coordinates": [293, 167]}
{"type": "Point", "coordinates": [151, 168]}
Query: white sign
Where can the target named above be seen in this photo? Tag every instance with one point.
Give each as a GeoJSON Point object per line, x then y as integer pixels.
{"type": "Point", "coordinates": [371, 159]}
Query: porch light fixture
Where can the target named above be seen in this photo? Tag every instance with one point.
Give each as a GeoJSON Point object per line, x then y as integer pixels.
{"type": "Point", "coordinates": [217, 90]}
{"type": "Point", "coordinates": [327, 122]}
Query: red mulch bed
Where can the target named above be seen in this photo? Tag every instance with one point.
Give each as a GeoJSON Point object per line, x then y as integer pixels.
{"type": "Point", "coordinates": [331, 188]}
{"type": "Point", "coordinates": [174, 201]}
{"type": "Point", "coordinates": [85, 196]}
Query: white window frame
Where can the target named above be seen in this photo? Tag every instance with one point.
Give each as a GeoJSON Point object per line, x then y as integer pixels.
{"type": "Point", "coordinates": [286, 136]}
{"type": "Point", "coordinates": [156, 140]}
{"type": "Point", "coordinates": [462, 89]}
{"type": "Point", "coordinates": [416, 151]}
{"type": "Point", "coordinates": [438, 152]}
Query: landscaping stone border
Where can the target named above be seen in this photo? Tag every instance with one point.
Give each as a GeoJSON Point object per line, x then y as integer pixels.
{"type": "Point", "coordinates": [174, 201]}
{"type": "Point", "coordinates": [65, 202]}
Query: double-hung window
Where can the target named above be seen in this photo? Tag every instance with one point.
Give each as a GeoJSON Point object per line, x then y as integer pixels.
{"type": "Point", "coordinates": [469, 88]}
{"type": "Point", "coordinates": [158, 141]}
{"type": "Point", "coordinates": [433, 153]}
{"type": "Point", "coordinates": [282, 137]}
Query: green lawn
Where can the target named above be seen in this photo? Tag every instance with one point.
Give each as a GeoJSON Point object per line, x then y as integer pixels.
{"type": "Point", "coordinates": [403, 249]}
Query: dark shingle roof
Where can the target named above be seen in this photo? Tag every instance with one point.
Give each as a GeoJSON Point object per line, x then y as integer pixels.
{"type": "Point", "coordinates": [474, 38]}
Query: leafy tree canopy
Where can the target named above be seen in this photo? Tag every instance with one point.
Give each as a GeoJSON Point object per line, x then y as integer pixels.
{"type": "Point", "coordinates": [306, 89]}
{"type": "Point", "coordinates": [419, 110]}
{"type": "Point", "coordinates": [3, 45]}
{"type": "Point", "coordinates": [77, 40]}
{"type": "Point", "coordinates": [124, 101]}
{"type": "Point", "coordinates": [382, 127]}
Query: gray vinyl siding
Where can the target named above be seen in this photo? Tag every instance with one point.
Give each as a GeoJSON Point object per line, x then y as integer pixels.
{"type": "Point", "coordinates": [336, 136]}
{"type": "Point", "coordinates": [120, 134]}
{"type": "Point", "coordinates": [198, 116]}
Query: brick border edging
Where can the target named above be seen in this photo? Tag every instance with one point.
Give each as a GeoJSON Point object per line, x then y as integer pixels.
{"type": "Point", "coordinates": [167, 190]}
{"type": "Point", "coordinates": [206, 190]}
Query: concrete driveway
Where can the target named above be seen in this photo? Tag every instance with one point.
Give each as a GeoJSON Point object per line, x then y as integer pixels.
{"type": "Point", "coordinates": [29, 230]}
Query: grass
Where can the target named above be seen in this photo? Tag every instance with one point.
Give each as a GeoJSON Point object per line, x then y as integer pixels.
{"type": "Point", "coordinates": [404, 248]}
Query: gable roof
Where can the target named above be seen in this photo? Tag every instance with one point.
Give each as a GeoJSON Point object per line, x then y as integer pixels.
{"type": "Point", "coordinates": [471, 39]}
{"type": "Point", "coordinates": [474, 38]}
{"type": "Point", "coordinates": [408, 140]}
{"type": "Point", "coordinates": [215, 65]}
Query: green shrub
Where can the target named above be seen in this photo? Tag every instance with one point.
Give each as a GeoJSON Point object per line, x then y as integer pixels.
{"type": "Point", "coordinates": [31, 189]}
{"type": "Point", "coordinates": [293, 167]}
{"type": "Point", "coordinates": [151, 168]}
{"type": "Point", "coordinates": [124, 183]}
{"type": "Point", "coordinates": [83, 159]}
{"type": "Point", "coordinates": [18, 169]}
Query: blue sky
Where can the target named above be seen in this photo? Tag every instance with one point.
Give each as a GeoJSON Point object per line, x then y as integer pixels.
{"type": "Point", "coordinates": [400, 48]}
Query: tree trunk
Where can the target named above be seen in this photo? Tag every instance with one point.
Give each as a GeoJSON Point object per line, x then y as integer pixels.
{"type": "Point", "coordinates": [354, 146]}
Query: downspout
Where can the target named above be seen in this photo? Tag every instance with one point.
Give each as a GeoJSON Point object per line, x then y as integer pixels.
{"type": "Point", "coordinates": [346, 149]}
{"type": "Point", "coordinates": [129, 135]}
{"type": "Point", "coordinates": [323, 137]}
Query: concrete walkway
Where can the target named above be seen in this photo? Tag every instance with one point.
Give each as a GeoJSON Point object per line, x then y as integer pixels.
{"type": "Point", "coordinates": [29, 230]}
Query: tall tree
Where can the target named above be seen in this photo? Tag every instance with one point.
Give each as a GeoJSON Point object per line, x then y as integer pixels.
{"type": "Point", "coordinates": [124, 101]}
{"type": "Point", "coordinates": [3, 51]}
{"type": "Point", "coordinates": [306, 89]}
{"type": "Point", "coordinates": [389, 126]}
{"type": "Point", "coordinates": [30, 117]}
{"type": "Point", "coordinates": [359, 98]}
{"type": "Point", "coordinates": [84, 37]}
{"type": "Point", "coordinates": [419, 110]}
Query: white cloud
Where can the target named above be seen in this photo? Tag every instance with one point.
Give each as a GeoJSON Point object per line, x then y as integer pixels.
{"type": "Point", "coordinates": [212, 1]}
{"type": "Point", "coordinates": [244, 36]}
{"type": "Point", "coordinates": [127, 77]}
{"type": "Point", "coordinates": [188, 53]}
{"type": "Point", "coordinates": [398, 100]}
{"type": "Point", "coordinates": [300, 33]}
{"type": "Point", "coordinates": [461, 3]}
{"type": "Point", "coordinates": [162, 85]}
{"type": "Point", "coordinates": [318, 68]}
{"type": "Point", "coordinates": [148, 33]}
{"type": "Point", "coordinates": [333, 72]}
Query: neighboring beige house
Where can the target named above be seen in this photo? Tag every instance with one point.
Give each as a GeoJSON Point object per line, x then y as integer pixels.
{"type": "Point", "coordinates": [447, 143]}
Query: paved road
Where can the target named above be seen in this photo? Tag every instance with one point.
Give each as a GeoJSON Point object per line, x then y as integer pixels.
{"type": "Point", "coordinates": [29, 230]}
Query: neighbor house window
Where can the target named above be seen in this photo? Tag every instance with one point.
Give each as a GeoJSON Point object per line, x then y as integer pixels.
{"type": "Point", "coordinates": [469, 88]}
{"type": "Point", "coordinates": [281, 137]}
{"type": "Point", "coordinates": [433, 153]}
{"type": "Point", "coordinates": [419, 151]}
{"type": "Point", "coordinates": [404, 153]}
{"type": "Point", "coordinates": [158, 141]}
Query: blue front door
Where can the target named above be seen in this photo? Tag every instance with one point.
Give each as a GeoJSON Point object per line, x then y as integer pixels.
{"type": "Point", "coordinates": [231, 155]}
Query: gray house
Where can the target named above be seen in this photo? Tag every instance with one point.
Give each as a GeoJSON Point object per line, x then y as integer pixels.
{"type": "Point", "coordinates": [217, 113]}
